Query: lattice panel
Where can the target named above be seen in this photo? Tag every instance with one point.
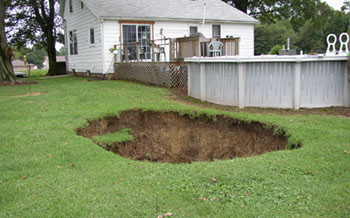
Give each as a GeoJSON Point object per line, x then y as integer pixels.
{"type": "Point", "coordinates": [171, 75]}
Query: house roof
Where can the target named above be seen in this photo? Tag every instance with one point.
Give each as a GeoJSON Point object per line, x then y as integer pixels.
{"type": "Point", "coordinates": [20, 63]}
{"type": "Point", "coordinates": [58, 59]}
{"type": "Point", "coordinates": [216, 10]}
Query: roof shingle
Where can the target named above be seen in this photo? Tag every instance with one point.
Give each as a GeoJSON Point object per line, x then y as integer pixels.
{"type": "Point", "coordinates": [216, 10]}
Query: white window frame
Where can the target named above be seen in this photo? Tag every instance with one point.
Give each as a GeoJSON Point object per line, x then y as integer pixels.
{"type": "Point", "coordinates": [137, 35]}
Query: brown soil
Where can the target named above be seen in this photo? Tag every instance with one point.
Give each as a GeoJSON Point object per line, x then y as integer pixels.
{"type": "Point", "coordinates": [18, 83]}
{"type": "Point", "coordinates": [30, 94]}
{"type": "Point", "coordinates": [170, 137]}
{"type": "Point", "coordinates": [180, 95]}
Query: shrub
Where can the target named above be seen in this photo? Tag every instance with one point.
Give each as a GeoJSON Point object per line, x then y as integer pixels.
{"type": "Point", "coordinates": [275, 50]}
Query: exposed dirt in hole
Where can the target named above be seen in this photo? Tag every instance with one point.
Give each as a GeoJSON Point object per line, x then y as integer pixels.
{"type": "Point", "coordinates": [180, 95]}
{"type": "Point", "coordinates": [170, 137]}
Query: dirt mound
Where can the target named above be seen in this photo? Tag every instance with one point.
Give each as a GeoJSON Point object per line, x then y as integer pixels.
{"type": "Point", "coordinates": [170, 137]}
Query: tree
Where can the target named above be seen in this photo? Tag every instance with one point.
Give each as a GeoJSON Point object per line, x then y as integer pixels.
{"type": "Point", "coordinates": [268, 11]}
{"type": "Point", "coordinates": [6, 69]}
{"type": "Point", "coordinates": [36, 22]}
{"type": "Point", "coordinates": [269, 35]}
{"type": "Point", "coordinates": [62, 51]}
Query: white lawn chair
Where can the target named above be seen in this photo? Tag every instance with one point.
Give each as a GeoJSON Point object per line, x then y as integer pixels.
{"type": "Point", "coordinates": [215, 47]}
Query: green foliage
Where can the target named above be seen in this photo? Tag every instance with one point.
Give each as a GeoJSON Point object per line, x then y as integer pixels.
{"type": "Point", "coordinates": [310, 35]}
{"type": "Point", "coordinates": [310, 38]}
{"type": "Point", "coordinates": [46, 170]}
{"type": "Point", "coordinates": [35, 22]}
{"type": "Point", "coordinates": [30, 22]}
{"type": "Point", "coordinates": [36, 73]}
{"type": "Point", "coordinates": [114, 137]}
{"type": "Point", "coordinates": [268, 11]}
{"type": "Point", "coordinates": [62, 51]}
{"type": "Point", "coordinates": [275, 50]}
{"type": "Point", "coordinates": [34, 55]}
{"type": "Point", "coordinates": [269, 35]}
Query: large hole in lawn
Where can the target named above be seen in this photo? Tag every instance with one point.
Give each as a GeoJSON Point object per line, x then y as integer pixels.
{"type": "Point", "coordinates": [174, 138]}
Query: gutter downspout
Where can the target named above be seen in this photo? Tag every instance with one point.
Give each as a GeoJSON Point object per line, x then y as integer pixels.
{"type": "Point", "coordinates": [66, 45]}
{"type": "Point", "coordinates": [204, 13]}
{"type": "Point", "coordinates": [103, 47]}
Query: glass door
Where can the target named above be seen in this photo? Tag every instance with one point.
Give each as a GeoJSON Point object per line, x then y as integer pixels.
{"type": "Point", "coordinates": [133, 33]}
{"type": "Point", "coordinates": [144, 37]}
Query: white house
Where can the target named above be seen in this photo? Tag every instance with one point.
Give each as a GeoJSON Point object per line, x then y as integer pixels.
{"type": "Point", "coordinates": [19, 65]}
{"type": "Point", "coordinates": [58, 58]}
{"type": "Point", "coordinates": [93, 27]}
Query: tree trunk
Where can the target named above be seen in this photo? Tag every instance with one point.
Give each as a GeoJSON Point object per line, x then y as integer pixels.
{"type": "Point", "coordinates": [51, 51]}
{"type": "Point", "coordinates": [6, 69]}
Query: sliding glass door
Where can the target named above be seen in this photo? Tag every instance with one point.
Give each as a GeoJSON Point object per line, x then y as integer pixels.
{"type": "Point", "coordinates": [133, 33]}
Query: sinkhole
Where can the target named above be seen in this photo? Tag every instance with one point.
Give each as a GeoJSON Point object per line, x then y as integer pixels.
{"type": "Point", "coordinates": [174, 138]}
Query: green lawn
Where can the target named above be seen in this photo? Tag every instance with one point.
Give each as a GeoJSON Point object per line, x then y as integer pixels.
{"type": "Point", "coordinates": [46, 170]}
{"type": "Point", "coordinates": [36, 73]}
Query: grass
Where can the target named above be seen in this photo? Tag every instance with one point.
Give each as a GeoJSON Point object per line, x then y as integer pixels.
{"type": "Point", "coordinates": [36, 73]}
{"type": "Point", "coordinates": [111, 138]}
{"type": "Point", "coordinates": [46, 170]}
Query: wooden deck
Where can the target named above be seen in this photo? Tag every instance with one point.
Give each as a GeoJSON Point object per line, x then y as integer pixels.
{"type": "Point", "coordinates": [172, 50]}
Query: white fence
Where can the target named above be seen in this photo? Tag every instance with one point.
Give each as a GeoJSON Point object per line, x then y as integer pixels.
{"type": "Point", "coordinates": [270, 81]}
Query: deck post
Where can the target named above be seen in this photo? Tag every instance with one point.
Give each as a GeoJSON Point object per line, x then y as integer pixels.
{"type": "Point", "coordinates": [241, 83]}
{"type": "Point", "coordinates": [126, 57]}
{"type": "Point", "coordinates": [115, 55]}
{"type": "Point", "coordinates": [120, 54]}
{"type": "Point", "coordinates": [297, 84]}
{"type": "Point", "coordinates": [153, 54]}
{"type": "Point", "coordinates": [171, 49]}
{"type": "Point", "coordinates": [138, 51]}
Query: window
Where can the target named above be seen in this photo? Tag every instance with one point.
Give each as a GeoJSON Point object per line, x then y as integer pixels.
{"type": "Point", "coordinates": [73, 42]}
{"type": "Point", "coordinates": [138, 33]}
{"type": "Point", "coordinates": [216, 32]}
{"type": "Point", "coordinates": [82, 4]}
{"type": "Point", "coordinates": [71, 6]}
{"type": "Point", "coordinates": [193, 30]}
{"type": "Point", "coordinates": [92, 36]}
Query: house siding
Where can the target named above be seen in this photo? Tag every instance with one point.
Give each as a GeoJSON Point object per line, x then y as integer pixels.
{"type": "Point", "coordinates": [89, 56]}
{"type": "Point", "coordinates": [111, 37]}
{"type": "Point", "coordinates": [175, 29]}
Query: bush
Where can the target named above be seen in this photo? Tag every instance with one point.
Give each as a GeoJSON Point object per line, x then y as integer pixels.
{"type": "Point", "coordinates": [275, 50]}
{"type": "Point", "coordinates": [58, 68]}
{"type": "Point", "coordinates": [36, 73]}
